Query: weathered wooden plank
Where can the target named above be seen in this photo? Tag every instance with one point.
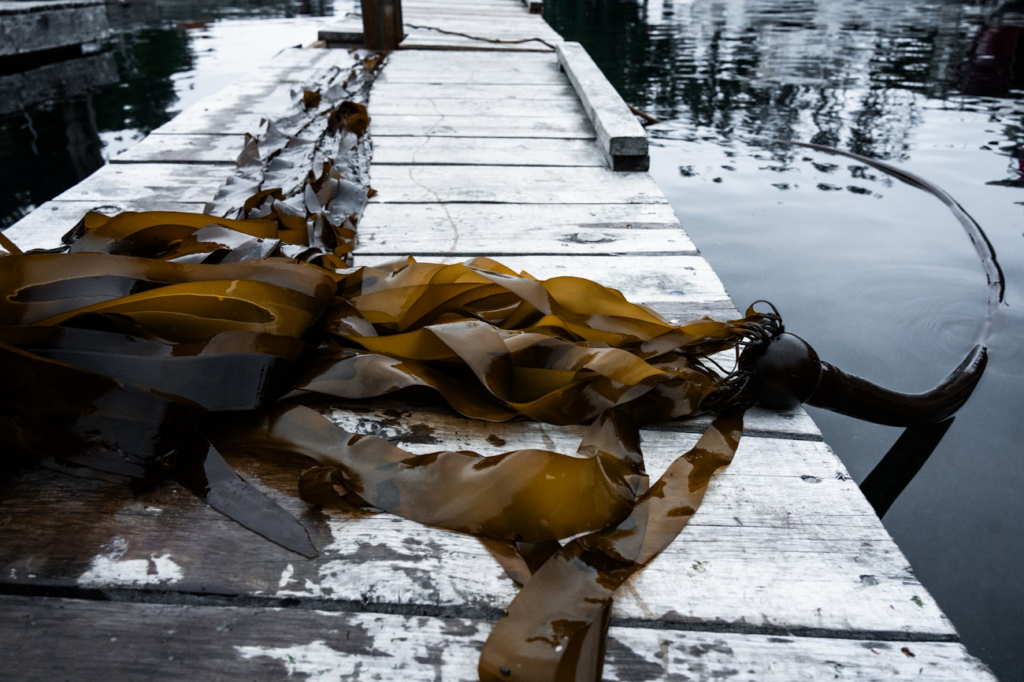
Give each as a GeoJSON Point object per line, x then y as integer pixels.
{"type": "Point", "coordinates": [565, 126]}
{"type": "Point", "coordinates": [235, 110]}
{"type": "Point", "coordinates": [423, 40]}
{"type": "Point", "coordinates": [399, 91]}
{"type": "Point", "coordinates": [418, 60]}
{"type": "Point", "coordinates": [158, 148]}
{"type": "Point", "coordinates": [500, 230]}
{"type": "Point", "coordinates": [779, 523]}
{"type": "Point", "coordinates": [147, 183]}
{"type": "Point", "coordinates": [503, 184]}
{"type": "Point", "coordinates": [650, 280]}
{"type": "Point", "coordinates": [485, 151]}
{"type": "Point", "coordinates": [525, 76]}
{"type": "Point", "coordinates": [618, 132]}
{"type": "Point", "coordinates": [383, 103]}
{"type": "Point", "coordinates": [54, 638]}
{"type": "Point", "coordinates": [43, 227]}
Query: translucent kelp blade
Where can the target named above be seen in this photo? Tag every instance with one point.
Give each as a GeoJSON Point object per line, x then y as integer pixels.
{"type": "Point", "coordinates": [41, 286]}
{"type": "Point", "coordinates": [51, 409]}
{"type": "Point", "coordinates": [153, 233]}
{"type": "Point", "coordinates": [202, 470]}
{"type": "Point", "coordinates": [554, 628]}
{"type": "Point", "coordinates": [528, 495]}
{"type": "Point", "coordinates": [229, 371]}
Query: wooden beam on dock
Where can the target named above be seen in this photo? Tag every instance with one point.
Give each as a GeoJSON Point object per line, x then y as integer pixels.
{"type": "Point", "coordinates": [619, 135]}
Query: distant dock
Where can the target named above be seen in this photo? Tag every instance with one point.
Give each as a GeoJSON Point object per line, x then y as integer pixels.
{"type": "Point", "coordinates": [492, 137]}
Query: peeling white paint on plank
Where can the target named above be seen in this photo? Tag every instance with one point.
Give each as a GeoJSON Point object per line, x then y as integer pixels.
{"type": "Point", "coordinates": [554, 126]}
{"type": "Point", "coordinates": [512, 185]}
{"type": "Point", "coordinates": [485, 151]}
{"type": "Point", "coordinates": [514, 76]}
{"type": "Point", "coordinates": [43, 227]}
{"type": "Point", "coordinates": [110, 568]}
{"type": "Point", "coordinates": [226, 643]}
{"type": "Point", "coordinates": [642, 279]}
{"type": "Point", "coordinates": [147, 183]}
{"type": "Point", "coordinates": [498, 230]}
{"type": "Point", "coordinates": [399, 91]}
{"type": "Point", "coordinates": [474, 106]}
{"type": "Point", "coordinates": [158, 148]}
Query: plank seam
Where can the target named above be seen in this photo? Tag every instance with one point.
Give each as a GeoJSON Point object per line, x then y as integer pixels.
{"type": "Point", "coordinates": [120, 595]}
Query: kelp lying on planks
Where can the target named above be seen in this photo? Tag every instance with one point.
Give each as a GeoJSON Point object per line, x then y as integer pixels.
{"type": "Point", "coordinates": [160, 340]}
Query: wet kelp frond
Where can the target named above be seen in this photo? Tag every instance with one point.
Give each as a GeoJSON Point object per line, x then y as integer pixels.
{"type": "Point", "coordinates": [160, 340]}
{"type": "Point", "coordinates": [153, 342]}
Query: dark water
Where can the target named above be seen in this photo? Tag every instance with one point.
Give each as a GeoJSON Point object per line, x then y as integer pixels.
{"type": "Point", "coordinates": [878, 276]}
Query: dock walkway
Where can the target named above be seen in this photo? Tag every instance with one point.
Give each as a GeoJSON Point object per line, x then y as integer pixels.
{"type": "Point", "coordinates": [784, 574]}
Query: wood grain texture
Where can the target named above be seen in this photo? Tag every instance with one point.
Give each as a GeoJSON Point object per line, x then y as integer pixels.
{"type": "Point", "coordinates": [485, 151]}
{"type": "Point", "coordinates": [402, 91]}
{"type": "Point", "coordinates": [205, 149]}
{"type": "Point", "coordinates": [46, 637]}
{"type": "Point", "coordinates": [784, 540]}
{"type": "Point", "coordinates": [149, 183]}
{"type": "Point", "coordinates": [650, 280]}
{"type": "Point", "coordinates": [385, 103]}
{"type": "Point", "coordinates": [43, 227]}
{"type": "Point", "coordinates": [618, 131]}
{"type": "Point", "coordinates": [512, 185]}
{"type": "Point", "coordinates": [566, 126]}
{"type": "Point", "coordinates": [500, 230]}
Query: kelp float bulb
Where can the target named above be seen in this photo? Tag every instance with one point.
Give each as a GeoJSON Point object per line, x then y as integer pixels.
{"type": "Point", "coordinates": [785, 371]}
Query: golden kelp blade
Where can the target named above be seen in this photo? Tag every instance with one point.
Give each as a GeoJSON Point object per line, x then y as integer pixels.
{"type": "Point", "coordinates": [176, 332]}
{"type": "Point", "coordinates": [529, 495]}
{"type": "Point", "coordinates": [554, 630]}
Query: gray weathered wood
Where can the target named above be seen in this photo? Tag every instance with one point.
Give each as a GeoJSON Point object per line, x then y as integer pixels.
{"type": "Point", "coordinates": [204, 149]}
{"type": "Point", "coordinates": [383, 103]}
{"type": "Point", "coordinates": [47, 637]}
{"type": "Point", "coordinates": [146, 183]}
{"type": "Point", "coordinates": [618, 132]}
{"type": "Point", "coordinates": [566, 126]}
{"type": "Point", "coordinates": [515, 76]}
{"type": "Point", "coordinates": [502, 229]}
{"type": "Point", "coordinates": [511, 184]}
{"type": "Point", "coordinates": [235, 110]}
{"type": "Point", "coordinates": [43, 227]}
{"type": "Point", "coordinates": [779, 522]}
{"type": "Point", "coordinates": [27, 26]}
{"type": "Point", "coordinates": [485, 151]}
{"type": "Point", "coordinates": [401, 91]}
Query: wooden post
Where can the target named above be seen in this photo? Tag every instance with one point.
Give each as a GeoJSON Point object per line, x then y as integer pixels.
{"type": "Point", "coordinates": [382, 24]}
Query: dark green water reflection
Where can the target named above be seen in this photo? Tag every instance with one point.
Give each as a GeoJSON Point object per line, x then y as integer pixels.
{"type": "Point", "coordinates": [876, 275]}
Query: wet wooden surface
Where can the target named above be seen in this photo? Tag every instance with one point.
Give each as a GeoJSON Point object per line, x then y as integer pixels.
{"type": "Point", "coordinates": [785, 573]}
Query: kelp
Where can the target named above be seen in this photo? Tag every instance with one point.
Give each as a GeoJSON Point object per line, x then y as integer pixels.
{"type": "Point", "coordinates": [161, 340]}
{"type": "Point", "coordinates": [151, 343]}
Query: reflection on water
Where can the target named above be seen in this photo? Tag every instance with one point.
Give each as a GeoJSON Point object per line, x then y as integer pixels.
{"type": "Point", "coordinates": [875, 274]}
{"type": "Point", "coordinates": [63, 117]}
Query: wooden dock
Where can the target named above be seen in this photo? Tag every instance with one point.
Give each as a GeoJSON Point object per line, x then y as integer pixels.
{"type": "Point", "coordinates": [480, 148]}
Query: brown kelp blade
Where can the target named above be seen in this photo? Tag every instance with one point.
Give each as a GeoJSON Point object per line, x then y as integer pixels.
{"type": "Point", "coordinates": [202, 470]}
{"type": "Point", "coordinates": [553, 631]}
{"type": "Point", "coordinates": [534, 496]}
